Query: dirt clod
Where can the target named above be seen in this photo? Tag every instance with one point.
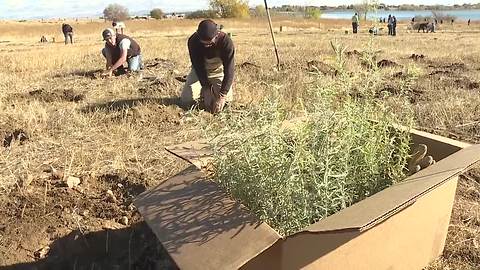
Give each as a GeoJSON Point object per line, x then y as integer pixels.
{"type": "Point", "coordinates": [417, 57]}
{"type": "Point", "coordinates": [248, 65]}
{"type": "Point", "coordinates": [18, 134]}
{"type": "Point", "coordinates": [386, 63]}
{"type": "Point", "coordinates": [320, 67]}
{"type": "Point", "coordinates": [70, 95]}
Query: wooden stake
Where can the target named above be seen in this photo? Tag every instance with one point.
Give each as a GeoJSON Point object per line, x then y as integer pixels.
{"type": "Point", "coordinates": [273, 36]}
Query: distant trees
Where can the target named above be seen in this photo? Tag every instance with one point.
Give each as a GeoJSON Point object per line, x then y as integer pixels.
{"type": "Point", "coordinates": [365, 7]}
{"type": "Point", "coordinates": [201, 14]}
{"type": "Point", "coordinates": [260, 11]}
{"type": "Point", "coordinates": [156, 13]}
{"type": "Point", "coordinates": [313, 12]}
{"type": "Point", "coordinates": [115, 12]}
{"type": "Point", "coordinates": [230, 8]}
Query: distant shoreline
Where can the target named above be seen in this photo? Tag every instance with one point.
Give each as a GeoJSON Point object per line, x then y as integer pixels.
{"type": "Point", "coordinates": [281, 9]}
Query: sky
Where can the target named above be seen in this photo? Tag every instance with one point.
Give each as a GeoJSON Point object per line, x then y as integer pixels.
{"type": "Point", "coordinates": [27, 9]}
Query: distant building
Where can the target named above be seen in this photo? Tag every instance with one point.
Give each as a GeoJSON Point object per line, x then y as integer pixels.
{"type": "Point", "coordinates": [141, 18]}
{"type": "Point", "coordinates": [175, 16]}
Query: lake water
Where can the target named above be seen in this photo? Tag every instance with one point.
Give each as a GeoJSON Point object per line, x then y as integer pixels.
{"type": "Point", "coordinates": [473, 14]}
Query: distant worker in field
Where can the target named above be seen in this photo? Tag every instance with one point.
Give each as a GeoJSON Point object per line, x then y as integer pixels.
{"type": "Point", "coordinates": [118, 26]}
{"type": "Point", "coordinates": [67, 31]}
{"type": "Point", "coordinates": [394, 26]}
{"type": "Point", "coordinates": [431, 27]}
{"type": "Point", "coordinates": [355, 23]}
{"type": "Point", "coordinates": [390, 24]}
{"type": "Point", "coordinates": [120, 49]}
{"type": "Point", "coordinates": [209, 83]}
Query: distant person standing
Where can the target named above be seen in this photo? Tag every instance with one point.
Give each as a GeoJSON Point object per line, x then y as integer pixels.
{"type": "Point", "coordinates": [390, 24]}
{"type": "Point", "coordinates": [67, 33]}
{"type": "Point", "coordinates": [394, 26]}
{"type": "Point", "coordinates": [468, 22]}
{"type": "Point", "coordinates": [355, 23]}
{"type": "Point", "coordinates": [118, 26]}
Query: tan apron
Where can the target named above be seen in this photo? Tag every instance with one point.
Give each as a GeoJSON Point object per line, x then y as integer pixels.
{"type": "Point", "coordinates": [192, 87]}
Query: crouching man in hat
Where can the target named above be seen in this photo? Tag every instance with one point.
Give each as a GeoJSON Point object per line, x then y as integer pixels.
{"type": "Point", "coordinates": [120, 49]}
{"type": "Point", "coordinates": [210, 80]}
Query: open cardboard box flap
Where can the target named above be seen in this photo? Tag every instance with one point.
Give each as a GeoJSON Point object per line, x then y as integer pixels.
{"type": "Point", "coordinates": [197, 152]}
{"type": "Point", "coordinates": [200, 225]}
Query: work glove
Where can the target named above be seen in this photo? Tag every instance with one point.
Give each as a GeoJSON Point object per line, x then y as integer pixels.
{"type": "Point", "coordinates": [419, 160]}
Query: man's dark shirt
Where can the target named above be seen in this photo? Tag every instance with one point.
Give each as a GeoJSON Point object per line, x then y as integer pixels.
{"type": "Point", "coordinates": [66, 28]}
{"type": "Point", "coordinates": [222, 48]}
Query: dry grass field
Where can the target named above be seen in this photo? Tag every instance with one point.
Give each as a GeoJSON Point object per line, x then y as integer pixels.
{"type": "Point", "coordinates": [59, 120]}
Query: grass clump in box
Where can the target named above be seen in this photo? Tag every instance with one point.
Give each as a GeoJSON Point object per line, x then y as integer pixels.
{"type": "Point", "coordinates": [292, 174]}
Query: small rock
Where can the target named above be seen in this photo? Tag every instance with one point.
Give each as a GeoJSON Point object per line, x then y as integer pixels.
{"type": "Point", "coordinates": [110, 196]}
{"type": "Point", "coordinates": [41, 253]}
{"type": "Point", "coordinates": [73, 181]}
{"type": "Point", "coordinates": [131, 207]}
{"type": "Point", "coordinates": [124, 220]}
{"type": "Point", "coordinates": [119, 185]}
{"type": "Point", "coordinates": [46, 168]}
{"type": "Point", "coordinates": [57, 174]}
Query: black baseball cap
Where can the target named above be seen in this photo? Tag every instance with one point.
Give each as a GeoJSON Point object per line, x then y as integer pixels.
{"type": "Point", "coordinates": [207, 29]}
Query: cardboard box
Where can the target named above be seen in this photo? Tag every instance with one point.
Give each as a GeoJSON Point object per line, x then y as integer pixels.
{"type": "Point", "coordinates": [401, 227]}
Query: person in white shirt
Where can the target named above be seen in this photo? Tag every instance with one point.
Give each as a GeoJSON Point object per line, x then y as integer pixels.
{"type": "Point", "coordinates": [120, 49]}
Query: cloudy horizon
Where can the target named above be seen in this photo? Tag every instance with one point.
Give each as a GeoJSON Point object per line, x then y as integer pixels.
{"type": "Point", "coordinates": [30, 9]}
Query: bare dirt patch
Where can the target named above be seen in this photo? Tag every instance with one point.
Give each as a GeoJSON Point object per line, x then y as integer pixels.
{"type": "Point", "coordinates": [61, 228]}
{"type": "Point", "coordinates": [248, 66]}
{"type": "Point", "coordinates": [44, 95]}
{"type": "Point", "coordinates": [386, 63]}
